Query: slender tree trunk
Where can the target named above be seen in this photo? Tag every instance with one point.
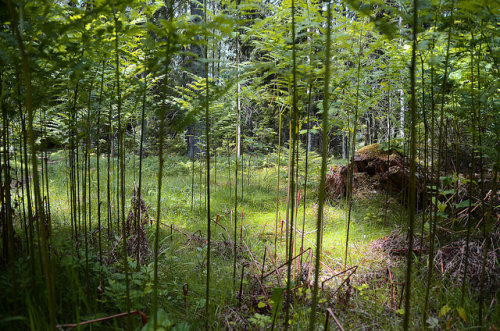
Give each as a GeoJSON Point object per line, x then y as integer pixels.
{"type": "Point", "coordinates": [192, 171]}
{"type": "Point", "coordinates": [98, 170]}
{"type": "Point", "coordinates": [291, 178]}
{"type": "Point", "coordinates": [412, 184]}
{"type": "Point", "coordinates": [121, 172]}
{"type": "Point", "coordinates": [237, 152]}
{"type": "Point", "coordinates": [139, 190]}
{"type": "Point", "coordinates": [485, 215]}
{"type": "Point", "coordinates": [25, 188]}
{"type": "Point", "coordinates": [108, 177]}
{"type": "Point", "coordinates": [309, 106]}
{"type": "Point", "coordinates": [277, 186]}
{"type": "Point", "coordinates": [426, 130]}
{"type": "Point", "coordinates": [170, 18]}
{"type": "Point", "coordinates": [242, 174]}
{"type": "Point", "coordinates": [85, 177]}
{"type": "Point", "coordinates": [432, 216]}
{"type": "Point", "coordinates": [46, 263]}
{"type": "Point", "coordinates": [322, 183]}
{"type": "Point", "coordinates": [487, 222]}
{"type": "Point", "coordinates": [472, 171]}
{"type": "Point", "coordinates": [6, 201]}
{"type": "Point", "coordinates": [353, 150]}
{"type": "Point", "coordinates": [207, 154]}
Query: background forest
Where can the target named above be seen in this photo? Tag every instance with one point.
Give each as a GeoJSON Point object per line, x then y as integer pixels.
{"type": "Point", "coordinates": [255, 164]}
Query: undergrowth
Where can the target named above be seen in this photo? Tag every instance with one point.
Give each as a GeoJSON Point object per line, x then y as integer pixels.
{"type": "Point", "coordinates": [370, 299]}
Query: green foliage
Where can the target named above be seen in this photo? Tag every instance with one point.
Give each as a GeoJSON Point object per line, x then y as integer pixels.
{"type": "Point", "coordinates": [164, 324]}
{"type": "Point", "coordinates": [57, 63]}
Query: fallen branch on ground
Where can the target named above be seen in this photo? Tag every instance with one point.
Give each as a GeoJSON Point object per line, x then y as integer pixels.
{"type": "Point", "coordinates": [144, 320]}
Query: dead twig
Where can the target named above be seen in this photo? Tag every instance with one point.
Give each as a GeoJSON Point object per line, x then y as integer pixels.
{"type": "Point", "coordinates": [70, 326]}
{"type": "Point", "coordinates": [392, 287]}
{"type": "Point", "coordinates": [329, 313]}
{"type": "Point", "coordinates": [284, 264]}
{"type": "Point", "coordinates": [275, 267]}
{"type": "Point", "coordinates": [338, 274]}
{"type": "Point", "coordinates": [476, 206]}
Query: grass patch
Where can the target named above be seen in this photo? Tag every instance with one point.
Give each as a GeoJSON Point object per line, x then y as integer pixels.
{"type": "Point", "coordinates": [183, 261]}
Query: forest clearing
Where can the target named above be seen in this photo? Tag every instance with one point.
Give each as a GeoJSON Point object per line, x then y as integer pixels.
{"type": "Point", "coordinates": [249, 165]}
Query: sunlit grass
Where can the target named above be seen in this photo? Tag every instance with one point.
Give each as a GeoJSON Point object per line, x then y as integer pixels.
{"type": "Point", "coordinates": [183, 262]}
{"type": "Point", "coordinates": [258, 205]}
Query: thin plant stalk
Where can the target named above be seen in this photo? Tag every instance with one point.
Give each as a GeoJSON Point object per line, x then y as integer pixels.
{"type": "Point", "coordinates": [170, 14]}
{"type": "Point", "coordinates": [353, 150]}
{"type": "Point", "coordinates": [293, 137]}
{"type": "Point", "coordinates": [121, 175]}
{"type": "Point", "coordinates": [207, 155]}
{"type": "Point", "coordinates": [46, 262]}
{"type": "Point", "coordinates": [412, 184]}
{"type": "Point", "coordinates": [322, 183]}
{"type": "Point", "coordinates": [236, 154]}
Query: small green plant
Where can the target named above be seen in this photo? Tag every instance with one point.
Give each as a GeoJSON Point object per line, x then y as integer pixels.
{"type": "Point", "coordinates": [262, 322]}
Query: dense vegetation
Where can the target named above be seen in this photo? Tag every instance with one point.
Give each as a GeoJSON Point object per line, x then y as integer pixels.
{"type": "Point", "coordinates": [249, 164]}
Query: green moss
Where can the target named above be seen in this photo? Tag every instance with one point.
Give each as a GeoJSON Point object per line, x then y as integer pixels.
{"type": "Point", "coordinates": [377, 151]}
{"type": "Point", "coordinates": [373, 150]}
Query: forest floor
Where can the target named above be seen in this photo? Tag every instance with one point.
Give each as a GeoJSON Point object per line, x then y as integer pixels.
{"type": "Point", "coordinates": [363, 292]}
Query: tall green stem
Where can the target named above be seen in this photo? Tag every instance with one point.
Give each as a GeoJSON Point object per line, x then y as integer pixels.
{"type": "Point", "coordinates": [237, 151]}
{"type": "Point", "coordinates": [207, 155]}
{"type": "Point", "coordinates": [291, 178]}
{"type": "Point", "coordinates": [353, 150]}
{"type": "Point", "coordinates": [433, 219]}
{"type": "Point", "coordinates": [46, 263]}
{"type": "Point", "coordinates": [412, 184]}
{"type": "Point", "coordinates": [322, 183]}
{"type": "Point", "coordinates": [170, 17]}
{"type": "Point", "coordinates": [121, 155]}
